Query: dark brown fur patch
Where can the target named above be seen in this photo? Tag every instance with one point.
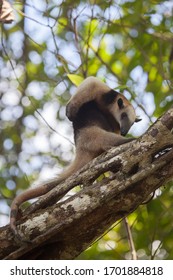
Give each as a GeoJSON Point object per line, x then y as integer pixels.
{"type": "Point", "coordinates": [109, 97]}
{"type": "Point", "coordinates": [90, 114]}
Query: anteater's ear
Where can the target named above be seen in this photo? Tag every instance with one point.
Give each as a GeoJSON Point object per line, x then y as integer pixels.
{"type": "Point", "coordinates": [109, 97]}
{"type": "Point", "coordinates": [138, 119]}
{"type": "Point", "coordinates": [120, 103]}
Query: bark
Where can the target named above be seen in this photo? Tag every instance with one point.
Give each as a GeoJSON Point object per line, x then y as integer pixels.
{"type": "Point", "coordinates": [64, 229]}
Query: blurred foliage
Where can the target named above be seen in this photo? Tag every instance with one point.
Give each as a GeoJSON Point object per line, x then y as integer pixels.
{"type": "Point", "coordinates": [49, 47]}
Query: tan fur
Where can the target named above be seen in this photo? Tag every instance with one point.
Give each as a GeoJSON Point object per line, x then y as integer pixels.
{"type": "Point", "coordinates": [100, 133]}
{"type": "Point", "coordinates": [90, 89]}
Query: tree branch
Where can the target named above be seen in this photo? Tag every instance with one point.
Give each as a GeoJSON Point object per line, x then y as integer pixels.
{"type": "Point", "coordinates": [65, 229]}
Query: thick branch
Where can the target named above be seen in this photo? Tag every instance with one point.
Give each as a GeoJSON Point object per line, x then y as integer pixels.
{"type": "Point", "coordinates": [64, 230]}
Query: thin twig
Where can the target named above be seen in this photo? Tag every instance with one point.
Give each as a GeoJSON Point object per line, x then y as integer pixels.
{"type": "Point", "coordinates": [130, 239]}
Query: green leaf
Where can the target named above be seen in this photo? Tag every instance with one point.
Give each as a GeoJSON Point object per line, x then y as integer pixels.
{"type": "Point", "coordinates": [75, 79]}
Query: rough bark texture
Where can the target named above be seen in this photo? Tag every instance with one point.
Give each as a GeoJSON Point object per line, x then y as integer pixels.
{"type": "Point", "coordinates": [65, 229]}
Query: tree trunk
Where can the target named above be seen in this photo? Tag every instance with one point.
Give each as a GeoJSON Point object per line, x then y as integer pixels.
{"type": "Point", "coordinates": [65, 229]}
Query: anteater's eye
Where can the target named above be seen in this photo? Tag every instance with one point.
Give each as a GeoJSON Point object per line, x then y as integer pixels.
{"type": "Point", "coordinates": [120, 103]}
